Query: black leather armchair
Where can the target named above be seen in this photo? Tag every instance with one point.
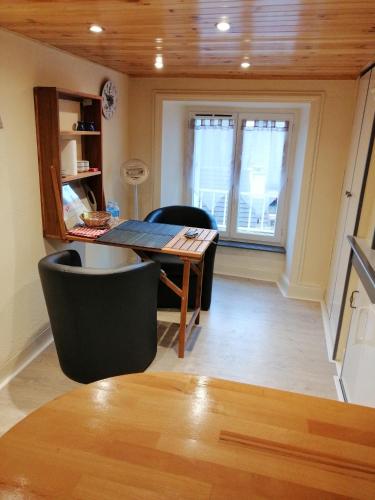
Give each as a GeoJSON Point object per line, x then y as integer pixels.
{"type": "Point", "coordinates": [185, 216]}
{"type": "Point", "coordinates": [103, 321]}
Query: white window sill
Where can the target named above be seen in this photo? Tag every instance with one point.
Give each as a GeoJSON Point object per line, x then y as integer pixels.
{"type": "Point", "coordinates": [260, 247]}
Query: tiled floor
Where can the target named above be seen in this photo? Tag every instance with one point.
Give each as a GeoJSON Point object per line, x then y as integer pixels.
{"type": "Point", "coordinates": [251, 334]}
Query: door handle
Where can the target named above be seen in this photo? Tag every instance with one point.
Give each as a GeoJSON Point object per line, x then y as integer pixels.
{"type": "Point", "coordinates": [351, 300]}
{"type": "Point", "coordinates": [348, 194]}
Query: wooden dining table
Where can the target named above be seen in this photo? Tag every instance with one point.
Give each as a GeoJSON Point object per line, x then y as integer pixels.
{"type": "Point", "coordinates": [145, 237]}
{"type": "Point", "coordinates": [175, 435]}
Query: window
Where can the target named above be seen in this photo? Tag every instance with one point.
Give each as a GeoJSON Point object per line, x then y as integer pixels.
{"type": "Point", "coordinates": [238, 172]}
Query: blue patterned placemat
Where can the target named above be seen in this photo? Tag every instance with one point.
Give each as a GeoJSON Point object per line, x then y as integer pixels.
{"type": "Point", "coordinates": [141, 234]}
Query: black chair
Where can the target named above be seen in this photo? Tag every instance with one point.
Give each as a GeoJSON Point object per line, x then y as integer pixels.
{"type": "Point", "coordinates": [103, 321]}
{"type": "Point", "coordinates": [185, 216]}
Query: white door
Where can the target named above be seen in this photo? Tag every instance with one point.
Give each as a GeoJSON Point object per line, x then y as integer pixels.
{"type": "Point", "coordinates": [358, 372]}
{"type": "Point", "coordinates": [362, 127]}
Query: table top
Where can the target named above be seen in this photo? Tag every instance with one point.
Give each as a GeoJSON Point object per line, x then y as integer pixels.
{"type": "Point", "coordinates": [171, 435]}
{"type": "Point", "coordinates": [141, 234]}
{"type": "Point", "coordinates": [194, 248]}
{"type": "Point", "coordinates": [178, 244]}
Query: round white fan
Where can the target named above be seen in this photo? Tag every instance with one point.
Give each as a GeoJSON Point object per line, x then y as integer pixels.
{"type": "Point", "coordinates": [134, 172]}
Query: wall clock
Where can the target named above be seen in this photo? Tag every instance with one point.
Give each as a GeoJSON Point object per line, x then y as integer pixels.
{"type": "Point", "coordinates": [109, 102]}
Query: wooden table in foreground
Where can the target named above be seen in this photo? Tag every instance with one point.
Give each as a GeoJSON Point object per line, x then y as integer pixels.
{"type": "Point", "coordinates": [171, 435]}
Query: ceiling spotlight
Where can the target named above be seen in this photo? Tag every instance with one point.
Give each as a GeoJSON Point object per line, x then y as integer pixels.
{"type": "Point", "coordinates": [95, 28]}
{"type": "Point", "coordinates": [223, 25]}
{"type": "Point", "coordinates": [245, 65]}
{"type": "Point", "coordinates": [159, 62]}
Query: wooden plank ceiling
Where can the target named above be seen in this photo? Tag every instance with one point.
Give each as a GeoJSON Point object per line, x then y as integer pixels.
{"type": "Point", "coordinates": [281, 38]}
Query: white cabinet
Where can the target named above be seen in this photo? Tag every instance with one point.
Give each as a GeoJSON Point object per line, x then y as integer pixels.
{"type": "Point", "coordinates": [358, 372]}
{"type": "Point", "coordinates": [361, 138]}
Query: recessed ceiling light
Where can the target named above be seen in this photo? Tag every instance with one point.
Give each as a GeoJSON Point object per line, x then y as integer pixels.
{"type": "Point", "coordinates": [159, 62]}
{"type": "Point", "coordinates": [223, 25]}
{"type": "Point", "coordinates": [95, 28]}
{"type": "Point", "coordinates": [245, 65]}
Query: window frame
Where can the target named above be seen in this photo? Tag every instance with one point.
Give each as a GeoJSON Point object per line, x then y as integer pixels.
{"type": "Point", "coordinates": [281, 220]}
{"type": "Point", "coordinates": [238, 115]}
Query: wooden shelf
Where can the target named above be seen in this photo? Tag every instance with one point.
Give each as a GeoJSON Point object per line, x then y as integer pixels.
{"type": "Point", "coordinates": [68, 133]}
{"type": "Point", "coordinates": [49, 134]}
{"type": "Point", "coordinates": [71, 178]}
{"type": "Point", "coordinates": [75, 96]}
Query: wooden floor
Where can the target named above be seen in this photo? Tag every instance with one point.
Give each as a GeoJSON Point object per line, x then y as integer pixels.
{"type": "Point", "coordinates": [251, 334]}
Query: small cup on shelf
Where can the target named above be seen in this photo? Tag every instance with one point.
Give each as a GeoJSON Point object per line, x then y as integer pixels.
{"type": "Point", "coordinates": [83, 166]}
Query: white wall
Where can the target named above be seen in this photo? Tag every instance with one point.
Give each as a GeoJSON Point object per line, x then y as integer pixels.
{"type": "Point", "coordinates": [23, 65]}
{"type": "Point", "coordinates": [172, 160]}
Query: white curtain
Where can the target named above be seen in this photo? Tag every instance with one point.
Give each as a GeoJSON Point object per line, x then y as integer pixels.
{"type": "Point", "coordinates": [262, 175]}
{"type": "Point", "coordinates": [263, 155]}
{"type": "Point", "coordinates": [210, 170]}
{"type": "Point", "coordinates": [212, 165]}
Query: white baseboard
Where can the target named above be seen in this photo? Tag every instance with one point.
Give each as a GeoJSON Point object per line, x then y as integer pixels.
{"type": "Point", "coordinates": [252, 275]}
{"type": "Point", "coordinates": [283, 285]}
{"type": "Point", "coordinates": [18, 362]}
{"type": "Point", "coordinates": [288, 290]}
{"type": "Point", "coordinates": [328, 337]}
{"type": "Point", "coordinates": [327, 330]}
{"type": "Point", "coordinates": [329, 346]}
{"type": "Point", "coordinates": [340, 395]}
{"type": "Point", "coordinates": [299, 291]}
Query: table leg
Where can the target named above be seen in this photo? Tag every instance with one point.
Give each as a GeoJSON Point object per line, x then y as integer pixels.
{"type": "Point", "coordinates": [184, 307]}
{"type": "Point", "coordinates": [198, 291]}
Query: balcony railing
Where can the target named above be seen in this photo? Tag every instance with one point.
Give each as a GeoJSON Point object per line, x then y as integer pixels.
{"type": "Point", "coordinates": [214, 201]}
{"type": "Point", "coordinates": [255, 214]}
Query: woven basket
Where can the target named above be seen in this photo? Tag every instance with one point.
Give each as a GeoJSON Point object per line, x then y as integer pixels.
{"type": "Point", "coordinates": [96, 218]}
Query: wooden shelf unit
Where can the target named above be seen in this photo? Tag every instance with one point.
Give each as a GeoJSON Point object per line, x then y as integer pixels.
{"type": "Point", "coordinates": [78, 177]}
{"type": "Point", "coordinates": [47, 106]}
{"type": "Point", "coordinates": [72, 133]}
